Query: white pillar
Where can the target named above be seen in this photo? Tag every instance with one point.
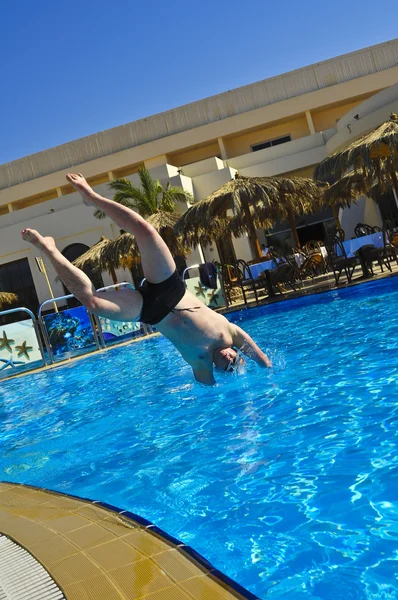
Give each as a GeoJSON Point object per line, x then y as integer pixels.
{"type": "Point", "coordinates": [310, 122]}
{"type": "Point", "coordinates": [223, 150]}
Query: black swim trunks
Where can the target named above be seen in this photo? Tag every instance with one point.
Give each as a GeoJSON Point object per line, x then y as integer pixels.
{"type": "Point", "coordinates": [160, 298]}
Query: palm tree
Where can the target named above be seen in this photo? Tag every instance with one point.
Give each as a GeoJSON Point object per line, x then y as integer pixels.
{"type": "Point", "coordinates": [153, 201]}
{"type": "Point", "coordinates": [149, 199]}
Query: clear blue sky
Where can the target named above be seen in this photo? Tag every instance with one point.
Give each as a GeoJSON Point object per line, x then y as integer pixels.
{"type": "Point", "coordinates": [73, 68]}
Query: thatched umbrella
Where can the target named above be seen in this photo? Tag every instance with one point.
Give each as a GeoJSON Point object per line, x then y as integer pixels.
{"type": "Point", "coordinates": [254, 202]}
{"type": "Point", "coordinates": [375, 152]}
{"type": "Point", "coordinates": [108, 255]}
{"type": "Point", "coordinates": [236, 195]}
{"type": "Point", "coordinates": [354, 184]}
{"type": "Point", "coordinates": [94, 259]}
{"type": "Point", "coordinates": [7, 298]}
{"type": "Point", "coordinates": [164, 223]}
{"type": "Point", "coordinates": [299, 196]}
{"type": "Point", "coordinates": [204, 234]}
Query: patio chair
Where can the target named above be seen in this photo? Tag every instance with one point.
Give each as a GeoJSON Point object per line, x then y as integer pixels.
{"type": "Point", "coordinates": [390, 239]}
{"type": "Point", "coordinates": [235, 277]}
{"type": "Point", "coordinates": [314, 263]}
{"type": "Point", "coordinates": [339, 235]}
{"type": "Point", "coordinates": [230, 281]}
{"type": "Point", "coordinates": [339, 262]}
{"type": "Point", "coordinates": [286, 272]}
{"type": "Point", "coordinates": [362, 229]}
{"type": "Point", "coordinates": [391, 229]}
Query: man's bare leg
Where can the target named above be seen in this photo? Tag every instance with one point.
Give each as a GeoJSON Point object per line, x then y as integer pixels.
{"type": "Point", "coordinates": [125, 305]}
{"type": "Point", "coordinates": [157, 261]}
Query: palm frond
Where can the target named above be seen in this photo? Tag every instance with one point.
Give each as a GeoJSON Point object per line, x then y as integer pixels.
{"type": "Point", "coordinates": [99, 214]}
{"type": "Point", "coordinates": [151, 188]}
{"type": "Point", "coordinates": [172, 194]}
{"type": "Point", "coordinates": [130, 195]}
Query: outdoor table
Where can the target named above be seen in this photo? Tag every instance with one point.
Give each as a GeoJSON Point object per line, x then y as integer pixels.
{"type": "Point", "coordinates": [263, 267]}
{"type": "Point", "coordinates": [354, 246]}
{"type": "Point", "coordinates": [258, 268]}
{"type": "Point", "coordinates": [351, 246]}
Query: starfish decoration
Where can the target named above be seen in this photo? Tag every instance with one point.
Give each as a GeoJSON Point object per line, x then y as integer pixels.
{"type": "Point", "coordinates": [5, 342]}
{"type": "Point", "coordinates": [213, 297]}
{"type": "Point", "coordinates": [10, 362]}
{"type": "Point", "coordinates": [24, 349]}
{"type": "Point", "coordinates": [200, 290]}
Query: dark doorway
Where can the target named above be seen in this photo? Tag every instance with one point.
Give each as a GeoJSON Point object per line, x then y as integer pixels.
{"type": "Point", "coordinates": [16, 277]}
{"type": "Point", "coordinates": [309, 233]}
{"type": "Point", "coordinates": [71, 253]}
{"type": "Point", "coordinates": [388, 207]}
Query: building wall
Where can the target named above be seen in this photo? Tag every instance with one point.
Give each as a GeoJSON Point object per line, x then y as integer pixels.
{"type": "Point", "coordinates": [363, 211]}
{"type": "Point", "coordinates": [328, 117]}
{"type": "Point", "coordinates": [241, 143]}
{"type": "Point", "coordinates": [193, 155]}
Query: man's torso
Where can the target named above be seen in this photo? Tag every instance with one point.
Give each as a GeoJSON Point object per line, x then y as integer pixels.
{"type": "Point", "coordinates": [195, 330]}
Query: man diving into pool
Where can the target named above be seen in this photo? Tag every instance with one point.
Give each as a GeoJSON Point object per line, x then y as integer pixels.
{"type": "Point", "coordinates": [203, 337]}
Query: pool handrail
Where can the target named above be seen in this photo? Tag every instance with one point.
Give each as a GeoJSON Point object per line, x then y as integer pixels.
{"type": "Point", "coordinates": [187, 269]}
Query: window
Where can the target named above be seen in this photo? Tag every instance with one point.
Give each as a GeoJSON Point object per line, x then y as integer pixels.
{"type": "Point", "coordinates": [271, 143]}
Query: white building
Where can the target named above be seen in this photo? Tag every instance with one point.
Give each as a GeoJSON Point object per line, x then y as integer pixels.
{"type": "Point", "coordinates": [286, 124]}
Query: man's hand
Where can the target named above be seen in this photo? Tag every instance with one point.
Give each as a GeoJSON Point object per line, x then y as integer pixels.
{"type": "Point", "coordinates": [244, 342]}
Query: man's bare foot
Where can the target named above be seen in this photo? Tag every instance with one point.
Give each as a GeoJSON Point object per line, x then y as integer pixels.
{"type": "Point", "coordinates": [43, 243]}
{"type": "Point", "coordinates": [81, 186]}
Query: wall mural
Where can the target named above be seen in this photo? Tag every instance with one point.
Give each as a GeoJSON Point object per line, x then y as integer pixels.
{"type": "Point", "coordinates": [210, 297]}
{"type": "Point", "coordinates": [69, 330]}
{"type": "Point", "coordinates": [18, 347]}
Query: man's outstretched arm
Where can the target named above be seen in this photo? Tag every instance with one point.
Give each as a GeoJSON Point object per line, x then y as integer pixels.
{"type": "Point", "coordinates": [247, 345]}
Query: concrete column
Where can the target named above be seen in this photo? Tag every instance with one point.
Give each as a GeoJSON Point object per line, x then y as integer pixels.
{"type": "Point", "coordinates": [223, 150]}
{"type": "Point", "coordinates": [310, 122]}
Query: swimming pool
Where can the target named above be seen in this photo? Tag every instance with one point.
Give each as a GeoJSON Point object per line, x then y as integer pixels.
{"type": "Point", "coordinates": [287, 481]}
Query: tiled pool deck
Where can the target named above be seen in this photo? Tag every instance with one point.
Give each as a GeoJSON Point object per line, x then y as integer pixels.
{"type": "Point", "coordinates": [92, 551]}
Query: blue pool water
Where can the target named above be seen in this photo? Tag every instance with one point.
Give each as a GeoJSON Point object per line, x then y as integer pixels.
{"type": "Point", "coordinates": [286, 480]}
